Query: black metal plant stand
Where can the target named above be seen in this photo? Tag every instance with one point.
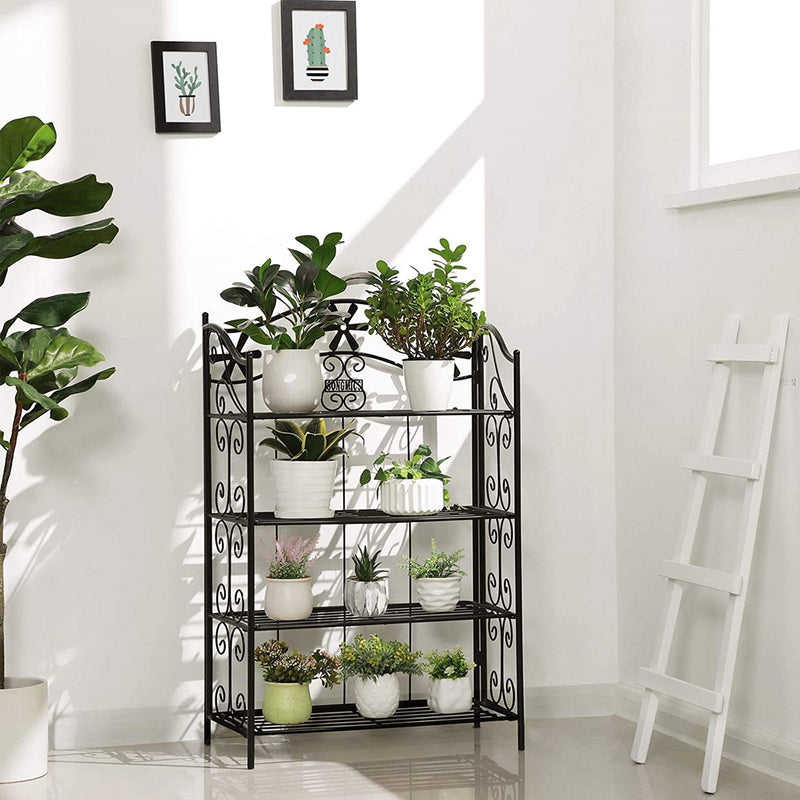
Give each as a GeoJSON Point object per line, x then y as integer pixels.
{"type": "Point", "coordinates": [231, 618]}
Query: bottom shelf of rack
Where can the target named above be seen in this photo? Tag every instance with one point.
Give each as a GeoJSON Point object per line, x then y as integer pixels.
{"type": "Point", "coordinates": [345, 718]}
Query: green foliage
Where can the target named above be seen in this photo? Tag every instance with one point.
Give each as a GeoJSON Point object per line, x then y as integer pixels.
{"type": "Point", "coordinates": [280, 666]}
{"type": "Point", "coordinates": [430, 316]}
{"type": "Point", "coordinates": [372, 657]}
{"type": "Point", "coordinates": [366, 565]}
{"type": "Point", "coordinates": [437, 565]}
{"type": "Point", "coordinates": [450, 664]}
{"type": "Point", "coordinates": [420, 465]}
{"type": "Point", "coordinates": [311, 441]}
{"type": "Point", "coordinates": [185, 82]}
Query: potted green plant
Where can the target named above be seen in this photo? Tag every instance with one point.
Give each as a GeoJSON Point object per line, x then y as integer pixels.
{"type": "Point", "coordinates": [373, 665]}
{"type": "Point", "coordinates": [414, 486]}
{"type": "Point", "coordinates": [437, 579]}
{"type": "Point", "coordinates": [449, 684]}
{"type": "Point", "coordinates": [366, 591]}
{"type": "Point", "coordinates": [304, 481]}
{"type": "Point", "coordinates": [287, 700]}
{"type": "Point", "coordinates": [430, 319]}
{"type": "Point", "coordinates": [288, 593]}
{"type": "Point", "coordinates": [292, 380]}
{"type": "Point", "coordinates": [39, 363]}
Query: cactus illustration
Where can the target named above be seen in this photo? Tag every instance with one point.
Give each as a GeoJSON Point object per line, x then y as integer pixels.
{"type": "Point", "coordinates": [185, 82]}
{"type": "Point", "coordinates": [315, 46]}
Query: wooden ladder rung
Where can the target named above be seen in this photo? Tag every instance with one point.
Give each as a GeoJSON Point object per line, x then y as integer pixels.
{"type": "Point", "coordinates": [722, 465]}
{"type": "Point", "coordinates": [701, 576]}
{"type": "Point", "coordinates": [682, 690]}
{"type": "Point", "coordinates": [753, 353]}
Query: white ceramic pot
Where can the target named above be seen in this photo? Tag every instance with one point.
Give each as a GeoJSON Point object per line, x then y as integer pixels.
{"type": "Point", "coordinates": [288, 598]}
{"type": "Point", "coordinates": [303, 488]}
{"type": "Point", "coordinates": [428, 383]}
{"type": "Point", "coordinates": [376, 699]}
{"type": "Point", "coordinates": [292, 381]}
{"type": "Point", "coordinates": [450, 695]}
{"type": "Point", "coordinates": [438, 594]}
{"type": "Point", "coordinates": [23, 730]}
{"type": "Point", "coordinates": [421, 496]}
{"type": "Point", "coordinates": [366, 598]}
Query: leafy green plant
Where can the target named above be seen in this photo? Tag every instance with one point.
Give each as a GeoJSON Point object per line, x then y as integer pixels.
{"type": "Point", "coordinates": [420, 465]}
{"type": "Point", "coordinates": [278, 665]}
{"type": "Point", "coordinates": [185, 82]}
{"type": "Point", "coordinates": [41, 363]}
{"type": "Point", "coordinates": [430, 316]}
{"type": "Point", "coordinates": [366, 566]}
{"type": "Point", "coordinates": [304, 295]}
{"type": "Point", "coordinates": [292, 557]}
{"type": "Point", "coordinates": [311, 441]}
{"type": "Point", "coordinates": [450, 664]}
{"type": "Point", "coordinates": [372, 657]}
{"type": "Point", "coordinates": [437, 565]}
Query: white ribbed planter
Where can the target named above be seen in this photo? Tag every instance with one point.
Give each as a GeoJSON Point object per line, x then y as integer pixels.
{"type": "Point", "coordinates": [438, 594]}
{"type": "Point", "coordinates": [292, 381]}
{"type": "Point", "coordinates": [421, 496]}
{"type": "Point", "coordinates": [288, 598]}
{"type": "Point", "coordinates": [450, 695]}
{"type": "Point", "coordinates": [366, 598]}
{"type": "Point", "coordinates": [376, 699]}
{"type": "Point", "coordinates": [428, 383]}
{"type": "Point", "coordinates": [23, 730]}
{"type": "Point", "coordinates": [303, 488]}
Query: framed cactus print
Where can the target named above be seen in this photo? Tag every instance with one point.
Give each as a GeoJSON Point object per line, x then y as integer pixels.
{"type": "Point", "coordinates": [318, 43]}
{"type": "Point", "coordinates": [185, 87]}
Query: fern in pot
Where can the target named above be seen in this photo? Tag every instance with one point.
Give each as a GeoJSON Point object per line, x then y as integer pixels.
{"type": "Point", "coordinates": [415, 486]}
{"type": "Point", "coordinates": [437, 579]}
{"type": "Point", "coordinates": [366, 591]}
{"type": "Point", "coordinates": [429, 319]}
{"type": "Point", "coordinates": [304, 480]}
{"type": "Point", "coordinates": [288, 594]}
{"type": "Point", "coordinates": [449, 683]}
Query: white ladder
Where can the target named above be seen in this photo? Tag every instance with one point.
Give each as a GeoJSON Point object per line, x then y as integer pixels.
{"type": "Point", "coordinates": [681, 571]}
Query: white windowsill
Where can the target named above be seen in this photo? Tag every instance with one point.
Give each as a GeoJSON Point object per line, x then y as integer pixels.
{"type": "Point", "coordinates": [784, 184]}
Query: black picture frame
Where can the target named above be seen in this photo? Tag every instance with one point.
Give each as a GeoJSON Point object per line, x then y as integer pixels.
{"type": "Point", "coordinates": [157, 50]}
{"type": "Point", "coordinates": [290, 90]}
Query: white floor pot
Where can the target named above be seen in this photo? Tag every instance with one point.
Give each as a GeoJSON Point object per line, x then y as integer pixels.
{"type": "Point", "coordinates": [23, 730]}
{"type": "Point", "coordinates": [376, 699]}
{"type": "Point", "coordinates": [288, 598]}
{"type": "Point", "coordinates": [421, 496]}
{"type": "Point", "coordinates": [303, 488]}
{"type": "Point", "coordinates": [428, 383]}
{"type": "Point", "coordinates": [366, 598]}
{"type": "Point", "coordinates": [450, 695]}
{"type": "Point", "coordinates": [438, 594]}
{"type": "Point", "coordinates": [292, 381]}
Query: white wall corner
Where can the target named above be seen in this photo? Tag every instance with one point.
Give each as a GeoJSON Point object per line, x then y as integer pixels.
{"type": "Point", "coordinates": [561, 702]}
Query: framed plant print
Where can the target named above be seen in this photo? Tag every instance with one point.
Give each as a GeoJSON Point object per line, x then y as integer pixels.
{"type": "Point", "coordinates": [185, 87]}
{"type": "Point", "coordinates": [318, 43]}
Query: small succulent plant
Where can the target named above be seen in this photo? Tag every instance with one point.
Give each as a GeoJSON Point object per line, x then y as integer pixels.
{"type": "Point", "coordinates": [311, 441]}
{"type": "Point", "coordinates": [366, 566]}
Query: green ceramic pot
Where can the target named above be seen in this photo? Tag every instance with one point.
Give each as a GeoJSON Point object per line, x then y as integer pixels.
{"type": "Point", "coordinates": [286, 703]}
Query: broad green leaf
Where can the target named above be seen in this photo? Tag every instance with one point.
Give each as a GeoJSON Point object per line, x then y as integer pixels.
{"type": "Point", "coordinates": [311, 242]}
{"type": "Point", "coordinates": [328, 284]}
{"type": "Point", "coordinates": [75, 198]}
{"type": "Point", "coordinates": [299, 257]}
{"type": "Point", "coordinates": [24, 140]}
{"type": "Point", "coordinates": [366, 477]}
{"type": "Point", "coordinates": [52, 311]}
{"type": "Point", "coordinates": [56, 411]}
{"type": "Point", "coordinates": [256, 333]}
{"type": "Point", "coordinates": [25, 183]}
{"type": "Point", "coordinates": [314, 446]}
{"type": "Point", "coordinates": [10, 243]}
{"type": "Point", "coordinates": [275, 445]}
{"type": "Point", "coordinates": [306, 275]}
{"type": "Point", "coordinates": [323, 255]}
{"type": "Point", "coordinates": [4, 443]}
{"type": "Point", "coordinates": [64, 352]}
{"type": "Point", "coordinates": [9, 355]}
{"type": "Point", "coordinates": [332, 239]}
{"type": "Point", "coordinates": [36, 345]}
{"type": "Point", "coordinates": [238, 295]}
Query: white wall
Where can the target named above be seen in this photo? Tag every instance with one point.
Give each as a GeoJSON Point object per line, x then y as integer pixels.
{"type": "Point", "coordinates": [679, 273]}
{"type": "Point", "coordinates": [511, 153]}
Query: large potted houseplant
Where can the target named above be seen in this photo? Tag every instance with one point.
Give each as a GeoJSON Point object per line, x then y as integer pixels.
{"type": "Point", "coordinates": [287, 699]}
{"type": "Point", "coordinates": [39, 363]}
{"type": "Point", "coordinates": [294, 313]}
{"type": "Point", "coordinates": [415, 486]}
{"type": "Point", "coordinates": [372, 665]}
{"type": "Point", "coordinates": [288, 593]}
{"type": "Point", "coordinates": [304, 480]}
{"type": "Point", "coordinates": [437, 579]}
{"type": "Point", "coordinates": [449, 684]}
{"type": "Point", "coordinates": [366, 591]}
{"type": "Point", "coordinates": [430, 319]}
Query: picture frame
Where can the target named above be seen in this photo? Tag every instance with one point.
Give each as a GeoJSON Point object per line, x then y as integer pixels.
{"type": "Point", "coordinates": [318, 50]}
{"type": "Point", "coordinates": [185, 87]}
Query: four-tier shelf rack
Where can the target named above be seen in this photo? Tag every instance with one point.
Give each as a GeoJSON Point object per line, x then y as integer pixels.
{"type": "Point", "coordinates": [233, 616]}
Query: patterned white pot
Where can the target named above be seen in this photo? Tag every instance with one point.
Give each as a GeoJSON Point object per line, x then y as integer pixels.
{"type": "Point", "coordinates": [292, 381]}
{"type": "Point", "coordinates": [303, 488]}
{"type": "Point", "coordinates": [376, 699]}
{"type": "Point", "coordinates": [450, 695]}
{"type": "Point", "coordinates": [438, 594]}
{"type": "Point", "coordinates": [422, 496]}
{"type": "Point", "coordinates": [428, 383]}
{"type": "Point", "coordinates": [366, 598]}
{"type": "Point", "coordinates": [23, 730]}
{"type": "Point", "coordinates": [288, 598]}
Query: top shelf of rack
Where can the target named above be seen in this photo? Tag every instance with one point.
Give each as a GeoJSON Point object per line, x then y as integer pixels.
{"type": "Point", "coordinates": [374, 413]}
